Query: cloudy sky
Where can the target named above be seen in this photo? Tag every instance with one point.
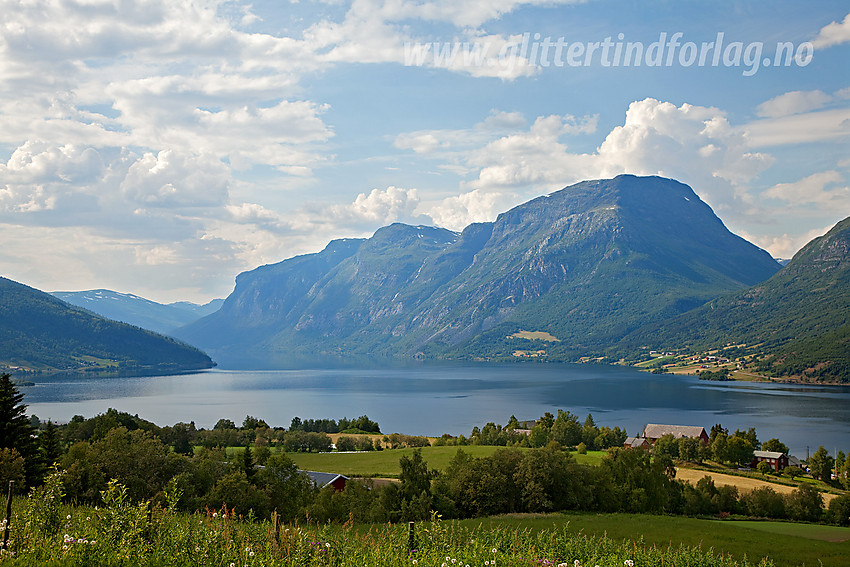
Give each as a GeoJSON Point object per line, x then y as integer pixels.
{"type": "Point", "coordinates": [160, 147]}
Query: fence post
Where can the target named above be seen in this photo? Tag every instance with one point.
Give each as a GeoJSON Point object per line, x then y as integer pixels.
{"type": "Point", "coordinates": [411, 537]}
{"type": "Point", "coordinates": [8, 516]}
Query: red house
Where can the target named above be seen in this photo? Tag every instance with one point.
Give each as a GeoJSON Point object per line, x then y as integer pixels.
{"type": "Point", "coordinates": [777, 461]}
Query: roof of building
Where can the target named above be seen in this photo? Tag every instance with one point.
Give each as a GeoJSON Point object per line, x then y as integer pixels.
{"type": "Point", "coordinates": [322, 479]}
{"type": "Point", "coordinates": [656, 431]}
{"type": "Point", "coordinates": [767, 454]}
{"type": "Point", "coordinates": [634, 441]}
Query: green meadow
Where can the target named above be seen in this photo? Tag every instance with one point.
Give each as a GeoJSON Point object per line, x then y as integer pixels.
{"type": "Point", "coordinates": [786, 543]}
{"type": "Point", "coordinates": [385, 464]}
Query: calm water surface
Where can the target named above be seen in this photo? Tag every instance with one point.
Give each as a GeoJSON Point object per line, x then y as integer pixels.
{"type": "Point", "coordinates": [432, 399]}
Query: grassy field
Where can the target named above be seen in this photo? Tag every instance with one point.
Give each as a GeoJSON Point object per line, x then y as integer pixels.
{"type": "Point", "coordinates": [787, 544]}
{"type": "Point", "coordinates": [385, 463]}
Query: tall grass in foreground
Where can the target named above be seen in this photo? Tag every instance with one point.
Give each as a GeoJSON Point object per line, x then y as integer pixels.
{"type": "Point", "coordinates": [123, 533]}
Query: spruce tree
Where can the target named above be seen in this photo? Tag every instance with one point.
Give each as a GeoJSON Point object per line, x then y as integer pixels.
{"type": "Point", "coordinates": [51, 448]}
{"type": "Point", "coordinates": [15, 429]}
{"type": "Point", "coordinates": [247, 462]}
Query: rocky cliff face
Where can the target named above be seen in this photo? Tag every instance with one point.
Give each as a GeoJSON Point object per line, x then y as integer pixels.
{"type": "Point", "coordinates": [586, 264]}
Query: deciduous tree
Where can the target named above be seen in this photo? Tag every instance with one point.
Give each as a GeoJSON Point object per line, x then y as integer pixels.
{"type": "Point", "coordinates": [774, 445]}
{"type": "Point", "coordinates": [821, 464]}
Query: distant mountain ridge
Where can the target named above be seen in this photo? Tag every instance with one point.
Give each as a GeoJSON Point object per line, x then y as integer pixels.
{"type": "Point", "coordinates": [138, 311]}
{"type": "Point", "coordinates": [586, 264]}
{"type": "Point", "coordinates": [39, 332]}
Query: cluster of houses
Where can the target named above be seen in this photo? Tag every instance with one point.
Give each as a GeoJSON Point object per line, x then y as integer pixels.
{"type": "Point", "coordinates": [655, 431]}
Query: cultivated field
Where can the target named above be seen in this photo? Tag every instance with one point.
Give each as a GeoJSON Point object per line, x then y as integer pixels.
{"type": "Point", "coordinates": [744, 484]}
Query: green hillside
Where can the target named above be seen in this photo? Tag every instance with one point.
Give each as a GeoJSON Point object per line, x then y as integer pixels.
{"type": "Point", "coordinates": [800, 316]}
{"type": "Point", "coordinates": [39, 332]}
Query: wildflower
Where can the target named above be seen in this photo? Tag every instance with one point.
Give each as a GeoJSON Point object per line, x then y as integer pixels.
{"type": "Point", "coordinates": [327, 545]}
{"type": "Point", "coordinates": [576, 563]}
{"type": "Point", "coordinates": [68, 517]}
{"type": "Point", "coordinates": [629, 563]}
{"type": "Point", "coordinates": [493, 550]}
{"type": "Point", "coordinates": [251, 554]}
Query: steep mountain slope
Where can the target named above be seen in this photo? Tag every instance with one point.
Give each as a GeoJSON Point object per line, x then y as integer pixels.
{"type": "Point", "coordinates": [595, 260]}
{"type": "Point", "coordinates": [41, 332]}
{"type": "Point", "coordinates": [585, 264]}
{"type": "Point", "coordinates": [802, 314]}
{"type": "Point", "coordinates": [138, 311]}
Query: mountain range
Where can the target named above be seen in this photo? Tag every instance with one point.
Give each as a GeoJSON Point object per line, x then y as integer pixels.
{"type": "Point", "coordinates": [138, 311]}
{"type": "Point", "coordinates": [567, 273]}
{"type": "Point", "coordinates": [39, 332]}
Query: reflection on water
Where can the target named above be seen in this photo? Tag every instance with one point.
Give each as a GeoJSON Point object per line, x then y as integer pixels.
{"type": "Point", "coordinates": [452, 398]}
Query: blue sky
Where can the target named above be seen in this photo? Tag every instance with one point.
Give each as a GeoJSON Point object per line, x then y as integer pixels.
{"type": "Point", "coordinates": [160, 147]}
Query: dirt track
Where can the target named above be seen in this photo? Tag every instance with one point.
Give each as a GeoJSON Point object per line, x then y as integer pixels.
{"type": "Point", "coordinates": [744, 484]}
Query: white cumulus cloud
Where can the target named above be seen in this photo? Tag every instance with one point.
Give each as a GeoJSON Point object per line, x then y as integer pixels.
{"type": "Point", "coordinates": [170, 179]}
{"type": "Point", "coordinates": [834, 33]}
{"type": "Point", "coordinates": [459, 211]}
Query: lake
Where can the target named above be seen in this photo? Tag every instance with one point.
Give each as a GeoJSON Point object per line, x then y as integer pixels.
{"type": "Point", "coordinates": [433, 398]}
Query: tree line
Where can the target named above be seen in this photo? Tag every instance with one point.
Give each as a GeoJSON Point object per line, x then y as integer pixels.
{"type": "Point", "coordinates": [89, 453]}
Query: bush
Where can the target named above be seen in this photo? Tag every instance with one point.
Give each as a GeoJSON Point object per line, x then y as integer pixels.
{"type": "Point", "coordinates": [764, 502]}
{"type": "Point", "coordinates": [839, 510]}
{"type": "Point", "coordinates": [805, 504]}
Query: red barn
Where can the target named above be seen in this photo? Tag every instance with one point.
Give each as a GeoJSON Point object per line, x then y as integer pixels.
{"type": "Point", "coordinates": [323, 479]}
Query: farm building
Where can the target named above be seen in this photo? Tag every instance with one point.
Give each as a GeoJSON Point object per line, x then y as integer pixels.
{"type": "Point", "coordinates": [323, 479]}
{"type": "Point", "coordinates": [654, 431]}
{"type": "Point", "coordinates": [637, 443]}
{"type": "Point", "coordinates": [777, 461]}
